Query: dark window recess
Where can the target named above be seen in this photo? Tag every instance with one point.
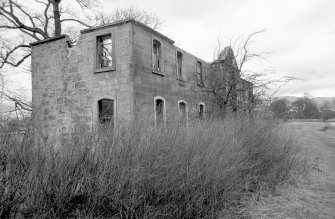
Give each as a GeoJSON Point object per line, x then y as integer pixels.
{"type": "Point", "coordinates": [199, 73]}
{"type": "Point", "coordinates": [156, 56]}
{"type": "Point", "coordinates": [250, 95]}
{"type": "Point", "coordinates": [182, 112]}
{"type": "Point", "coordinates": [106, 111]}
{"type": "Point", "coordinates": [105, 51]}
{"type": "Point", "coordinates": [159, 104]}
{"type": "Point", "coordinates": [179, 65]}
{"type": "Point", "coordinates": [201, 111]}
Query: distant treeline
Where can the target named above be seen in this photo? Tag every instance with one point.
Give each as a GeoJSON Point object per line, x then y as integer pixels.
{"type": "Point", "coordinates": [302, 108]}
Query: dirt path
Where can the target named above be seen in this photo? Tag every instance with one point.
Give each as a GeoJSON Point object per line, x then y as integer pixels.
{"type": "Point", "coordinates": [313, 198]}
{"type": "Point", "coordinates": [319, 138]}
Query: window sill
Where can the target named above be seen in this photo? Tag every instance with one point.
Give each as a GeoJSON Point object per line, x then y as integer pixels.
{"type": "Point", "coordinates": [158, 72]}
{"type": "Point", "coordinates": [99, 70]}
{"type": "Point", "coordinates": [181, 79]}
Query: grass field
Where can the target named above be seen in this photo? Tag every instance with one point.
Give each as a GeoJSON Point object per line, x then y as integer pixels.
{"type": "Point", "coordinates": [312, 196]}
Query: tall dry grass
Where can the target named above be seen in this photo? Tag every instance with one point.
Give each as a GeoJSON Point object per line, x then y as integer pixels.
{"type": "Point", "coordinates": [207, 169]}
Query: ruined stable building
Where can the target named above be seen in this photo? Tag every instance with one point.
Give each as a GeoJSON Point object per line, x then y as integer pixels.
{"type": "Point", "coordinates": [120, 71]}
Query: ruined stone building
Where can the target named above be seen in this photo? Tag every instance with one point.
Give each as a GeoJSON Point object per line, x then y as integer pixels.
{"type": "Point", "coordinates": [119, 71]}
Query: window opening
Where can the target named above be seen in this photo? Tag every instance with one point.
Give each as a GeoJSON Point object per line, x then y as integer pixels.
{"type": "Point", "coordinates": [201, 111]}
{"type": "Point", "coordinates": [182, 106]}
{"type": "Point", "coordinates": [179, 65]}
{"type": "Point", "coordinates": [159, 110]}
{"type": "Point", "coordinates": [199, 73]}
{"type": "Point", "coordinates": [105, 49]}
{"type": "Point", "coordinates": [156, 55]}
{"type": "Point", "coordinates": [106, 111]}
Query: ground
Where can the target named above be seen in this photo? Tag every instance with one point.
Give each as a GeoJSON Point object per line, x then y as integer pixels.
{"type": "Point", "coordinates": [311, 196]}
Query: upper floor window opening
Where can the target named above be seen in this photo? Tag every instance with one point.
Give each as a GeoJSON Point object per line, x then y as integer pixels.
{"type": "Point", "coordinates": [199, 74]}
{"type": "Point", "coordinates": [246, 93]}
{"type": "Point", "coordinates": [104, 51]}
{"type": "Point", "coordinates": [250, 94]}
{"type": "Point", "coordinates": [239, 96]}
{"type": "Point", "coordinates": [156, 56]}
{"type": "Point", "coordinates": [179, 65]}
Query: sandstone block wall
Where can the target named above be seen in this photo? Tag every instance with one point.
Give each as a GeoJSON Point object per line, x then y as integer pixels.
{"type": "Point", "coordinates": [148, 84]}
{"type": "Point", "coordinates": [66, 88]}
{"type": "Point", "coordinates": [67, 85]}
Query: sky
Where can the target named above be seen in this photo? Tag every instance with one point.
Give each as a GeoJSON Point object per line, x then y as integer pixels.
{"type": "Point", "coordinates": [299, 34]}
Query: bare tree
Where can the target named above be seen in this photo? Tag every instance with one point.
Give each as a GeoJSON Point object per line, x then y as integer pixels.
{"type": "Point", "coordinates": [23, 25]}
{"type": "Point", "coordinates": [132, 12]}
{"type": "Point", "coordinates": [231, 83]}
{"type": "Point", "coordinates": [19, 20]}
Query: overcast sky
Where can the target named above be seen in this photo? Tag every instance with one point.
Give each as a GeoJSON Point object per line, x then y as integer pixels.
{"type": "Point", "coordinates": [300, 34]}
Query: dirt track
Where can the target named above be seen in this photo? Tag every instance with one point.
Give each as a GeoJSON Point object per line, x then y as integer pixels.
{"type": "Point", "coordinates": [319, 138]}
{"type": "Point", "coordinates": [314, 196]}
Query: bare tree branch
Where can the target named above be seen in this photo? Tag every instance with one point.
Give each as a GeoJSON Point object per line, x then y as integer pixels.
{"type": "Point", "coordinates": [46, 17]}
{"type": "Point", "coordinates": [244, 50]}
{"type": "Point", "coordinates": [21, 104]}
{"type": "Point", "coordinates": [17, 22]}
{"type": "Point", "coordinates": [4, 58]}
{"type": "Point", "coordinates": [75, 20]}
{"type": "Point", "coordinates": [142, 16]}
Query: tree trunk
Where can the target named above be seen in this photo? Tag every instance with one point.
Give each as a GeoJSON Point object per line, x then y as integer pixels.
{"type": "Point", "coordinates": [56, 12]}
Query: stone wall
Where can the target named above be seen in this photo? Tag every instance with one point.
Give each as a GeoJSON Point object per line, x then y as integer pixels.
{"type": "Point", "coordinates": [66, 88]}
{"type": "Point", "coordinates": [67, 85]}
{"type": "Point", "coordinates": [148, 84]}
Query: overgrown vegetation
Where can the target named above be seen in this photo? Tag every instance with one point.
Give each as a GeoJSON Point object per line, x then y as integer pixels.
{"type": "Point", "coordinates": [204, 170]}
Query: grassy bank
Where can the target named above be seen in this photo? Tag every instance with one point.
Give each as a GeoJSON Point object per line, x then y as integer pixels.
{"type": "Point", "coordinates": [205, 170]}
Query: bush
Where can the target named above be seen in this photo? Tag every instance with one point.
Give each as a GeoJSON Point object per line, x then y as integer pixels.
{"type": "Point", "coordinates": [203, 170]}
{"type": "Point", "coordinates": [326, 115]}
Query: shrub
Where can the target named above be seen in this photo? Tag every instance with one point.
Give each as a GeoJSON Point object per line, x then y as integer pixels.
{"type": "Point", "coordinates": [326, 115]}
{"type": "Point", "coordinates": [202, 170]}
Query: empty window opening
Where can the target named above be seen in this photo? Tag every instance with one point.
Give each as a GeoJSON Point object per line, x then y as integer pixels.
{"type": "Point", "coordinates": [159, 110]}
{"type": "Point", "coordinates": [250, 94]}
{"type": "Point", "coordinates": [199, 73]}
{"type": "Point", "coordinates": [105, 51]}
{"type": "Point", "coordinates": [182, 107]}
{"type": "Point", "coordinates": [246, 94]}
{"type": "Point", "coordinates": [201, 110]}
{"type": "Point", "coordinates": [156, 55]}
{"type": "Point", "coordinates": [239, 96]}
{"type": "Point", "coordinates": [179, 65]}
{"type": "Point", "coordinates": [106, 111]}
